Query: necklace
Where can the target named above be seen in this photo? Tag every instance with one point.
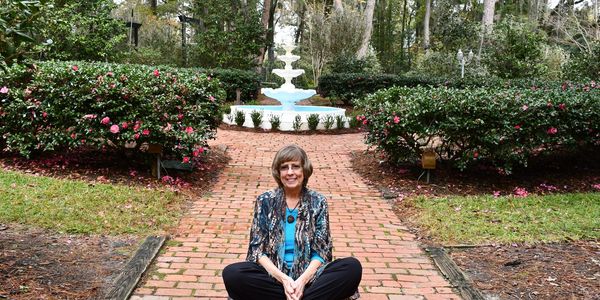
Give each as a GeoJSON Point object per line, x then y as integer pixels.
{"type": "Point", "coordinates": [290, 218]}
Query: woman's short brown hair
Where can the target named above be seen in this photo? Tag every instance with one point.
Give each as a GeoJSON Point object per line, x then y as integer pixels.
{"type": "Point", "coordinates": [289, 153]}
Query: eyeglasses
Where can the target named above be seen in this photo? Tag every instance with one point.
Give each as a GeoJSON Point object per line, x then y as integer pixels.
{"type": "Point", "coordinates": [286, 167]}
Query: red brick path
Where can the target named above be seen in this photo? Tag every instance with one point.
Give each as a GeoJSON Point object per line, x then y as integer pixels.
{"type": "Point", "coordinates": [214, 232]}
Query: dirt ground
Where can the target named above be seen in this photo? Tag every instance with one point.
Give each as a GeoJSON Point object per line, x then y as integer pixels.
{"type": "Point", "coordinates": [567, 270]}
{"type": "Point", "coordinates": [42, 264]}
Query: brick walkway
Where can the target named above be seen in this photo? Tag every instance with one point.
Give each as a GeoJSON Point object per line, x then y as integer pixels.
{"type": "Point", "coordinates": [214, 232]}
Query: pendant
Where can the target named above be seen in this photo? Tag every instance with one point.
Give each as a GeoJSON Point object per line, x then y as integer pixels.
{"type": "Point", "coordinates": [290, 219]}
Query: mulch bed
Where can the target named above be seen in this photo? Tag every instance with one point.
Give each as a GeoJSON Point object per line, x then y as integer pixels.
{"type": "Point", "coordinates": [567, 270]}
{"type": "Point", "coordinates": [42, 264]}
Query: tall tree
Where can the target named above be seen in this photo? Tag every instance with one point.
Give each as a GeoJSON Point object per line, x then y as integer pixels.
{"type": "Point", "coordinates": [265, 21]}
{"type": "Point", "coordinates": [487, 22]}
{"type": "Point", "coordinates": [426, 24]}
{"type": "Point", "coordinates": [362, 51]}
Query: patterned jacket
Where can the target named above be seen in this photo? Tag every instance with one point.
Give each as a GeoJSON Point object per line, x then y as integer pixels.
{"type": "Point", "coordinates": [312, 232]}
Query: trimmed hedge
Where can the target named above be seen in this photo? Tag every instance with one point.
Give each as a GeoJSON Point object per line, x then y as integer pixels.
{"type": "Point", "coordinates": [53, 106]}
{"type": "Point", "coordinates": [349, 86]}
{"type": "Point", "coordinates": [248, 82]}
{"type": "Point", "coordinates": [465, 126]}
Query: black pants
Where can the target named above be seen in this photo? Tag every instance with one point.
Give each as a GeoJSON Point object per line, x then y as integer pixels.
{"type": "Point", "coordinates": [248, 280]}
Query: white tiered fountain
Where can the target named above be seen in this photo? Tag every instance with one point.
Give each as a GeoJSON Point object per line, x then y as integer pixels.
{"type": "Point", "coordinates": [288, 95]}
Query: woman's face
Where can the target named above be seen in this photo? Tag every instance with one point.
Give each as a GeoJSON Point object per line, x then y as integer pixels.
{"type": "Point", "coordinates": [292, 174]}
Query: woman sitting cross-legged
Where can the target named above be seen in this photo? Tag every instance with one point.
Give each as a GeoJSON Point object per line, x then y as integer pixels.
{"type": "Point", "coordinates": [290, 251]}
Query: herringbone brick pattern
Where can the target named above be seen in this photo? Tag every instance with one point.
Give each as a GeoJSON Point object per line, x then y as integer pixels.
{"type": "Point", "coordinates": [214, 232]}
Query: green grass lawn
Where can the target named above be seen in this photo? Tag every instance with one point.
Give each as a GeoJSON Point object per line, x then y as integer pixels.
{"type": "Point", "coordinates": [485, 219]}
{"type": "Point", "coordinates": [80, 207]}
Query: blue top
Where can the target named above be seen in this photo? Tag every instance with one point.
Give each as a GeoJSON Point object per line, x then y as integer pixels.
{"type": "Point", "coordinates": [289, 240]}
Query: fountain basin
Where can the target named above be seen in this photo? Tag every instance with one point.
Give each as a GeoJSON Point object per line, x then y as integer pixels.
{"type": "Point", "coordinates": [288, 95]}
{"type": "Point", "coordinates": [286, 116]}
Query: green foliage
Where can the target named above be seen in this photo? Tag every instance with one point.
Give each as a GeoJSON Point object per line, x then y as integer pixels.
{"type": "Point", "coordinates": [297, 123]}
{"type": "Point", "coordinates": [240, 118]}
{"type": "Point", "coordinates": [339, 122]}
{"type": "Point", "coordinates": [507, 219]}
{"type": "Point", "coordinates": [80, 207]}
{"type": "Point", "coordinates": [584, 65]}
{"type": "Point", "coordinates": [347, 86]}
{"type": "Point", "coordinates": [501, 127]}
{"type": "Point", "coordinates": [18, 29]}
{"type": "Point", "coordinates": [58, 105]}
{"type": "Point", "coordinates": [256, 117]}
{"type": "Point", "coordinates": [229, 39]}
{"type": "Point", "coordinates": [354, 120]}
{"type": "Point", "coordinates": [515, 50]}
{"type": "Point", "coordinates": [328, 121]}
{"type": "Point", "coordinates": [275, 121]}
{"type": "Point", "coordinates": [81, 30]}
{"type": "Point", "coordinates": [313, 121]}
{"type": "Point", "coordinates": [232, 79]}
{"type": "Point", "coordinates": [368, 65]}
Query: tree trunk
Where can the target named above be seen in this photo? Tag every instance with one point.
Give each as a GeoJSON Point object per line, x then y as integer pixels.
{"type": "Point", "coordinates": [403, 31]}
{"type": "Point", "coordinates": [153, 5]}
{"type": "Point", "coordinates": [300, 30]}
{"type": "Point", "coordinates": [426, 25]}
{"type": "Point", "coordinates": [266, 13]}
{"type": "Point", "coordinates": [362, 51]}
{"type": "Point", "coordinates": [487, 23]}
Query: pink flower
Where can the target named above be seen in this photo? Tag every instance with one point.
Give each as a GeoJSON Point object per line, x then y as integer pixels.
{"type": "Point", "coordinates": [111, 74]}
{"type": "Point", "coordinates": [548, 187]}
{"type": "Point", "coordinates": [518, 126]}
{"type": "Point", "coordinates": [4, 90]}
{"type": "Point", "coordinates": [365, 122]}
{"type": "Point", "coordinates": [75, 68]}
{"type": "Point", "coordinates": [146, 132]}
{"type": "Point", "coordinates": [396, 120]}
{"type": "Point", "coordinates": [125, 125]}
{"type": "Point", "coordinates": [186, 160]}
{"type": "Point", "coordinates": [524, 107]}
{"type": "Point", "coordinates": [198, 151]}
{"type": "Point", "coordinates": [114, 129]}
{"type": "Point", "coordinates": [211, 98]}
{"type": "Point", "coordinates": [73, 135]}
{"type": "Point", "coordinates": [136, 136]}
{"type": "Point", "coordinates": [496, 194]}
{"type": "Point", "coordinates": [90, 116]}
{"type": "Point", "coordinates": [189, 130]}
{"type": "Point", "coordinates": [520, 192]}
{"type": "Point", "coordinates": [596, 186]}
{"type": "Point", "coordinates": [156, 73]}
{"type": "Point", "coordinates": [549, 104]}
{"type": "Point", "coordinates": [167, 179]}
{"type": "Point", "coordinates": [475, 154]}
{"type": "Point", "coordinates": [44, 114]}
{"type": "Point", "coordinates": [168, 127]}
{"type": "Point", "coordinates": [105, 120]}
{"type": "Point", "coordinates": [136, 127]}
{"type": "Point", "coordinates": [562, 106]}
{"type": "Point", "coordinates": [180, 116]}
{"type": "Point", "coordinates": [552, 130]}
{"type": "Point", "coordinates": [208, 78]}
{"type": "Point", "coordinates": [358, 117]}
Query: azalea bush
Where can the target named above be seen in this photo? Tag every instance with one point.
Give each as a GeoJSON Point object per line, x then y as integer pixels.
{"type": "Point", "coordinates": [504, 127]}
{"type": "Point", "coordinates": [53, 106]}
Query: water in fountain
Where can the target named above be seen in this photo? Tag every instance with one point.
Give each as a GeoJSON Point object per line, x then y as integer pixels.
{"type": "Point", "coordinates": [288, 95]}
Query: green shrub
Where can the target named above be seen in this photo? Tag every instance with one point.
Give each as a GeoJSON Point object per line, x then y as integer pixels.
{"type": "Point", "coordinates": [58, 105]}
{"type": "Point", "coordinates": [313, 121]}
{"type": "Point", "coordinates": [297, 124]}
{"type": "Point", "coordinates": [256, 117]}
{"type": "Point", "coordinates": [232, 79]}
{"type": "Point", "coordinates": [328, 122]}
{"type": "Point", "coordinates": [339, 122]}
{"type": "Point", "coordinates": [240, 118]}
{"type": "Point", "coordinates": [275, 122]}
{"type": "Point", "coordinates": [354, 121]}
{"type": "Point", "coordinates": [502, 127]}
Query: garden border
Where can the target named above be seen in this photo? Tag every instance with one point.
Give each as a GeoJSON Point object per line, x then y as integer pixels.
{"type": "Point", "coordinates": [126, 282]}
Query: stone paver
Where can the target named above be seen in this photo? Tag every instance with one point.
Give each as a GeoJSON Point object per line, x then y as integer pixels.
{"type": "Point", "coordinates": [215, 231]}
